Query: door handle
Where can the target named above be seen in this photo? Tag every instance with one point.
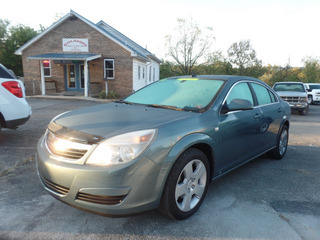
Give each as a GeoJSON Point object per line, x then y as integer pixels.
{"type": "Point", "coordinates": [279, 110]}
{"type": "Point", "coordinates": [257, 116]}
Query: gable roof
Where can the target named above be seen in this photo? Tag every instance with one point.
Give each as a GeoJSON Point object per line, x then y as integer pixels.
{"type": "Point", "coordinates": [136, 50]}
{"type": "Point", "coordinates": [127, 41]}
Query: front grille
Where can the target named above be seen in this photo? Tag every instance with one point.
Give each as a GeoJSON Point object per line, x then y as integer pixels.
{"type": "Point", "coordinates": [98, 199]}
{"type": "Point", "coordinates": [291, 99]}
{"type": "Point", "coordinates": [56, 188]}
{"type": "Point", "coordinates": [64, 148]}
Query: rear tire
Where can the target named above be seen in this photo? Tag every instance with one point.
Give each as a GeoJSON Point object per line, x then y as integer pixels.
{"type": "Point", "coordinates": [282, 144]}
{"type": "Point", "coordinates": [186, 185]}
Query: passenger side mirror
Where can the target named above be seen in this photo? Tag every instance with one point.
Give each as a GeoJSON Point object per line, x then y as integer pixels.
{"type": "Point", "coordinates": [309, 90]}
{"type": "Point", "coordinates": [236, 105]}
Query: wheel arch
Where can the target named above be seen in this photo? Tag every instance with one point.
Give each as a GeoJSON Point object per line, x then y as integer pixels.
{"type": "Point", "coordinates": [196, 140]}
{"type": "Point", "coordinates": [2, 121]}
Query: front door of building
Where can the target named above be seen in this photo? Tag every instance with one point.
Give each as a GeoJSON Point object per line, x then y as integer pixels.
{"type": "Point", "coordinates": [74, 77]}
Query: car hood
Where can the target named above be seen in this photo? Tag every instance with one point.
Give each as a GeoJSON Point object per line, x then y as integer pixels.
{"type": "Point", "coordinates": [291, 94]}
{"type": "Point", "coordinates": [107, 120]}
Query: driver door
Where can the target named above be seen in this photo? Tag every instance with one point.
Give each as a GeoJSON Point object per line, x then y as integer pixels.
{"type": "Point", "coordinates": [238, 130]}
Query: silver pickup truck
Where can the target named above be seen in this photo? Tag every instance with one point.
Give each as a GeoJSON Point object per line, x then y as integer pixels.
{"type": "Point", "coordinates": [295, 94]}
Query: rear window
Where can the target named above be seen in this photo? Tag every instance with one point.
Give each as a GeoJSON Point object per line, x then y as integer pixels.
{"type": "Point", "coordinates": [4, 73]}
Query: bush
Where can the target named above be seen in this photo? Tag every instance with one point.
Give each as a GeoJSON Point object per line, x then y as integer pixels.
{"type": "Point", "coordinates": [111, 95]}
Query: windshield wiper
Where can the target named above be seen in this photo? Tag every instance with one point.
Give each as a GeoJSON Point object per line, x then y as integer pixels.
{"type": "Point", "coordinates": [192, 109]}
{"type": "Point", "coordinates": [125, 102]}
{"type": "Point", "coordinates": [163, 106]}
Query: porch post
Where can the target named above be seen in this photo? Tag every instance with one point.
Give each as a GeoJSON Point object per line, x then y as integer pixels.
{"type": "Point", "coordinates": [43, 83]}
{"type": "Point", "coordinates": [86, 78]}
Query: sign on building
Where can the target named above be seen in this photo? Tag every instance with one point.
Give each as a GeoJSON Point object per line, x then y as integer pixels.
{"type": "Point", "coordinates": [75, 45]}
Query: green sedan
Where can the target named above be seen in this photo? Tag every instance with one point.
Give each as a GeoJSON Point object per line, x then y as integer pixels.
{"type": "Point", "coordinates": [160, 147]}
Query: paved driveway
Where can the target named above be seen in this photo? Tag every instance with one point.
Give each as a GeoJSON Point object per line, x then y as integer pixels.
{"type": "Point", "coordinates": [264, 199]}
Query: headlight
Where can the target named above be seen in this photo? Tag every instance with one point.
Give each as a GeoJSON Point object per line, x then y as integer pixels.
{"type": "Point", "coordinates": [303, 99]}
{"type": "Point", "coordinates": [122, 148]}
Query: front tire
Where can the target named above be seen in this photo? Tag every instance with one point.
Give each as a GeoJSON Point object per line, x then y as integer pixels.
{"type": "Point", "coordinates": [186, 185]}
{"type": "Point", "coordinates": [282, 144]}
{"type": "Point", "coordinates": [304, 111]}
{"type": "Point", "coordinates": [310, 99]}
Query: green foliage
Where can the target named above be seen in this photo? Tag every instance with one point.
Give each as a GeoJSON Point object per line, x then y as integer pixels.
{"type": "Point", "coordinates": [111, 95]}
{"type": "Point", "coordinates": [11, 38]}
{"type": "Point", "coordinates": [311, 71]}
{"type": "Point", "coordinates": [243, 56]}
{"type": "Point", "coordinates": [275, 74]}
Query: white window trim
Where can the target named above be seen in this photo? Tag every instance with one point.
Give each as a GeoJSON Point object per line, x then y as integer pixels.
{"type": "Point", "coordinates": [46, 76]}
{"type": "Point", "coordinates": [109, 68]}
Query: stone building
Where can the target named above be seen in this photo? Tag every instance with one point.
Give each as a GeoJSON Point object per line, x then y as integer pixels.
{"type": "Point", "coordinates": [75, 55]}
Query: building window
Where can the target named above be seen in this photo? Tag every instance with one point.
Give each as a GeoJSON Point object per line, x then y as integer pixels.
{"type": "Point", "coordinates": [109, 68]}
{"type": "Point", "coordinates": [154, 74]}
{"type": "Point", "coordinates": [46, 68]}
{"type": "Point", "coordinates": [143, 70]}
{"type": "Point", "coordinates": [139, 69]}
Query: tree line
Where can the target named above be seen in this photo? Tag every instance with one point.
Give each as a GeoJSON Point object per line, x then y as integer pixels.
{"type": "Point", "coordinates": [188, 52]}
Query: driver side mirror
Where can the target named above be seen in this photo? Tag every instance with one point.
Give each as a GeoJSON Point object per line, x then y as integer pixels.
{"type": "Point", "coordinates": [236, 105]}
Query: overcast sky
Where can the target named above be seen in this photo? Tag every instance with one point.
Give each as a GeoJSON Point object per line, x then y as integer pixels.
{"type": "Point", "coordinates": [280, 30]}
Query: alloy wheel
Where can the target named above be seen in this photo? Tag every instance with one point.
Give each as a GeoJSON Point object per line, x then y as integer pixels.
{"type": "Point", "coordinates": [191, 185]}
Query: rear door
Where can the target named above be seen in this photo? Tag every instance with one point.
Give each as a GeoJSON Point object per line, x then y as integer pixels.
{"type": "Point", "coordinates": [271, 116]}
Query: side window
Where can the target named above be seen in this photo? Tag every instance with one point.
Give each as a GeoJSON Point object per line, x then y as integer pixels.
{"type": "Point", "coordinates": [240, 91]}
{"type": "Point", "coordinates": [273, 97]}
{"type": "Point", "coordinates": [262, 94]}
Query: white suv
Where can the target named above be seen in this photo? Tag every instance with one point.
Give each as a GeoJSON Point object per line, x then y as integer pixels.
{"type": "Point", "coordinates": [313, 92]}
{"type": "Point", "coordinates": [14, 109]}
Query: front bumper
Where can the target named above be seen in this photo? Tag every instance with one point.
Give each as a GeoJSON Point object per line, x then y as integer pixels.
{"type": "Point", "coordinates": [298, 106]}
{"type": "Point", "coordinates": [113, 190]}
{"type": "Point", "coordinates": [316, 98]}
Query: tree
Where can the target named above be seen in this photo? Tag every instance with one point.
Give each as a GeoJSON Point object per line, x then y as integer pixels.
{"type": "Point", "coordinates": [215, 64]}
{"type": "Point", "coordinates": [3, 29]}
{"type": "Point", "coordinates": [243, 56]}
{"type": "Point", "coordinates": [311, 70]}
{"type": "Point", "coordinates": [188, 45]}
{"type": "Point", "coordinates": [3, 35]}
{"type": "Point", "coordinates": [12, 39]}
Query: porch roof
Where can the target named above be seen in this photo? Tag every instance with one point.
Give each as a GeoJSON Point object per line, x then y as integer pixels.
{"type": "Point", "coordinates": [66, 56]}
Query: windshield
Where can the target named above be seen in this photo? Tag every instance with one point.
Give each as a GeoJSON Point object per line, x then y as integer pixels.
{"type": "Point", "coordinates": [290, 87]}
{"type": "Point", "coordinates": [181, 93]}
{"type": "Point", "coordinates": [314, 86]}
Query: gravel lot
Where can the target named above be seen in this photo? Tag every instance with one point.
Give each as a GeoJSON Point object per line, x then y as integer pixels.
{"type": "Point", "coordinates": [264, 199]}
